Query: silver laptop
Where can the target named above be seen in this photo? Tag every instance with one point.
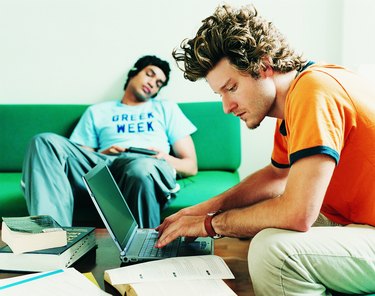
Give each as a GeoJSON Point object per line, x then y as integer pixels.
{"type": "Point", "coordinates": [134, 244]}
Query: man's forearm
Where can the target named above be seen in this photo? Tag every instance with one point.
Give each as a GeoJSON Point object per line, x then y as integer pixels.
{"type": "Point", "coordinates": [264, 184]}
{"type": "Point", "coordinates": [185, 167]}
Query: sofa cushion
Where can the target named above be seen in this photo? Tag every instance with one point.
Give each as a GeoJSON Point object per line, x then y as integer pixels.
{"type": "Point", "coordinates": [11, 196]}
{"type": "Point", "coordinates": [199, 188]}
{"type": "Point", "coordinates": [217, 140]}
{"type": "Point", "coordinates": [193, 190]}
{"type": "Point", "coordinates": [22, 122]}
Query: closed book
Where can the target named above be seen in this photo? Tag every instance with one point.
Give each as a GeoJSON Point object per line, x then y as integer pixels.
{"type": "Point", "coordinates": [80, 241]}
{"type": "Point", "coordinates": [31, 233]}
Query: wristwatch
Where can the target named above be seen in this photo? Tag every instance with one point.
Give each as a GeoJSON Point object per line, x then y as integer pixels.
{"type": "Point", "coordinates": [208, 225]}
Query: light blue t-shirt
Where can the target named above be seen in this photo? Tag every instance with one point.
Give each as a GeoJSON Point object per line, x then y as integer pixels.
{"type": "Point", "coordinates": [156, 123]}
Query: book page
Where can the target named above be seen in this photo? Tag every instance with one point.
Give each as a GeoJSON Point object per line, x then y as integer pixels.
{"type": "Point", "coordinates": [58, 282]}
{"type": "Point", "coordinates": [181, 288]}
{"type": "Point", "coordinates": [178, 268]}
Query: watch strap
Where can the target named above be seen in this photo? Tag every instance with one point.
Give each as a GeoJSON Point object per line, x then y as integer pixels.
{"type": "Point", "coordinates": [208, 224]}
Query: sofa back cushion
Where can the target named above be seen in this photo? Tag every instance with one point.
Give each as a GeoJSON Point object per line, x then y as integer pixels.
{"type": "Point", "coordinates": [21, 122]}
{"type": "Point", "coordinates": [217, 140]}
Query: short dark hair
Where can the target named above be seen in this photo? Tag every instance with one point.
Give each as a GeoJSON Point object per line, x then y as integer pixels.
{"type": "Point", "coordinates": [145, 61]}
{"type": "Point", "coordinates": [240, 35]}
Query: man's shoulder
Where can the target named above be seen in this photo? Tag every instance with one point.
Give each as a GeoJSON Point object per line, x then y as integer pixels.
{"type": "Point", "coordinates": [318, 77]}
{"type": "Point", "coordinates": [102, 105]}
{"type": "Point", "coordinates": [321, 73]}
{"type": "Point", "coordinates": [164, 104]}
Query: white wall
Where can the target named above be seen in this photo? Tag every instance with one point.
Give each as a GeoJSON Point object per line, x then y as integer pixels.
{"type": "Point", "coordinates": [79, 51]}
{"type": "Point", "coordinates": [358, 33]}
{"type": "Point", "coordinates": [358, 39]}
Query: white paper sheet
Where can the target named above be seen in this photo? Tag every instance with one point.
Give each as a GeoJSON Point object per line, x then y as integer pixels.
{"type": "Point", "coordinates": [64, 282]}
{"type": "Point", "coordinates": [178, 268]}
{"type": "Point", "coordinates": [184, 288]}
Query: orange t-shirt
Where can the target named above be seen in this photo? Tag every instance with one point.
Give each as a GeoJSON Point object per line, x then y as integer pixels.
{"type": "Point", "coordinates": [329, 110]}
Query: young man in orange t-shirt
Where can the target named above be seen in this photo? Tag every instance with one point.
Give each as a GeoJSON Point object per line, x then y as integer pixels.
{"type": "Point", "coordinates": [322, 167]}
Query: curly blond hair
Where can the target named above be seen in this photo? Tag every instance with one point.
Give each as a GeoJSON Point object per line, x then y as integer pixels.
{"type": "Point", "coordinates": [242, 36]}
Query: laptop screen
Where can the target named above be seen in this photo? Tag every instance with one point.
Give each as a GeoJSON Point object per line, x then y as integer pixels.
{"type": "Point", "coordinates": [111, 204]}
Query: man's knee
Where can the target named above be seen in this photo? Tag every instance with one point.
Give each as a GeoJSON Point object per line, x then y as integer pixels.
{"type": "Point", "coordinates": [267, 252]}
{"type": "Point", "coordinates": [261, 248]}
{"type": "Point", "coordinates": [46, 146]}
{"type": "Point", "coordinates": [139, 168]}
{"type": "Point", "coordinates": [45, 139]}
{"type": "Point", "coordinates": [142, 168]}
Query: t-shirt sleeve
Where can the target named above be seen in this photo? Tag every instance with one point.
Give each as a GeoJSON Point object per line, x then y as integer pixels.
{"type": "Point", "coordinates": [85, 132]}
{"type": "Point", "coordinates": [315, 118]}
{"type": "Point", "coordinates": [178, 125]}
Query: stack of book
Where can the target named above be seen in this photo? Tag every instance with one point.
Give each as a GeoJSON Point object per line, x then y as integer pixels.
{"type": "Point", "coordinates": [39, 243]}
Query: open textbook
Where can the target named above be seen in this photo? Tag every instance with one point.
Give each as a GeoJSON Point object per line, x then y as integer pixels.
{"type": "Point", "coordinates": [200, 275]}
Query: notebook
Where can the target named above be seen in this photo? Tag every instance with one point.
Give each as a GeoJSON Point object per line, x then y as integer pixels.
{"type": "Point", "coordinates": [135, 244]}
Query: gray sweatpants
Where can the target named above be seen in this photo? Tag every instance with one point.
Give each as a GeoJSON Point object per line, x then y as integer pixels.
{"type": "Point", "coordinates": [52, 179]}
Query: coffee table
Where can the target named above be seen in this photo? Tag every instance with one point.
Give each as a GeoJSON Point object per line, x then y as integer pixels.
{"type": "Point", "coordinates": [106, 256]}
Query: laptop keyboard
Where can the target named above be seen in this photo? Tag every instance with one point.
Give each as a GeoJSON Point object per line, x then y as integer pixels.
{"type": "Point", "coordinates": [148, 248]}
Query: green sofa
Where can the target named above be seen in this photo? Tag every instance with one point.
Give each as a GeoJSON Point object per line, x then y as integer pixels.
{"type": "Point", "coordinates": [217, 143]}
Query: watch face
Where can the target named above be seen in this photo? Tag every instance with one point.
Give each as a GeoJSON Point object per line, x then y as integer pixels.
{"type": "Point", "coordinates": [214, 213]}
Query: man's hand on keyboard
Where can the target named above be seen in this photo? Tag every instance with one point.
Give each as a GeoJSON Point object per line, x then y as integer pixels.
{"type": "Point", "coordinates": [185, 226]}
